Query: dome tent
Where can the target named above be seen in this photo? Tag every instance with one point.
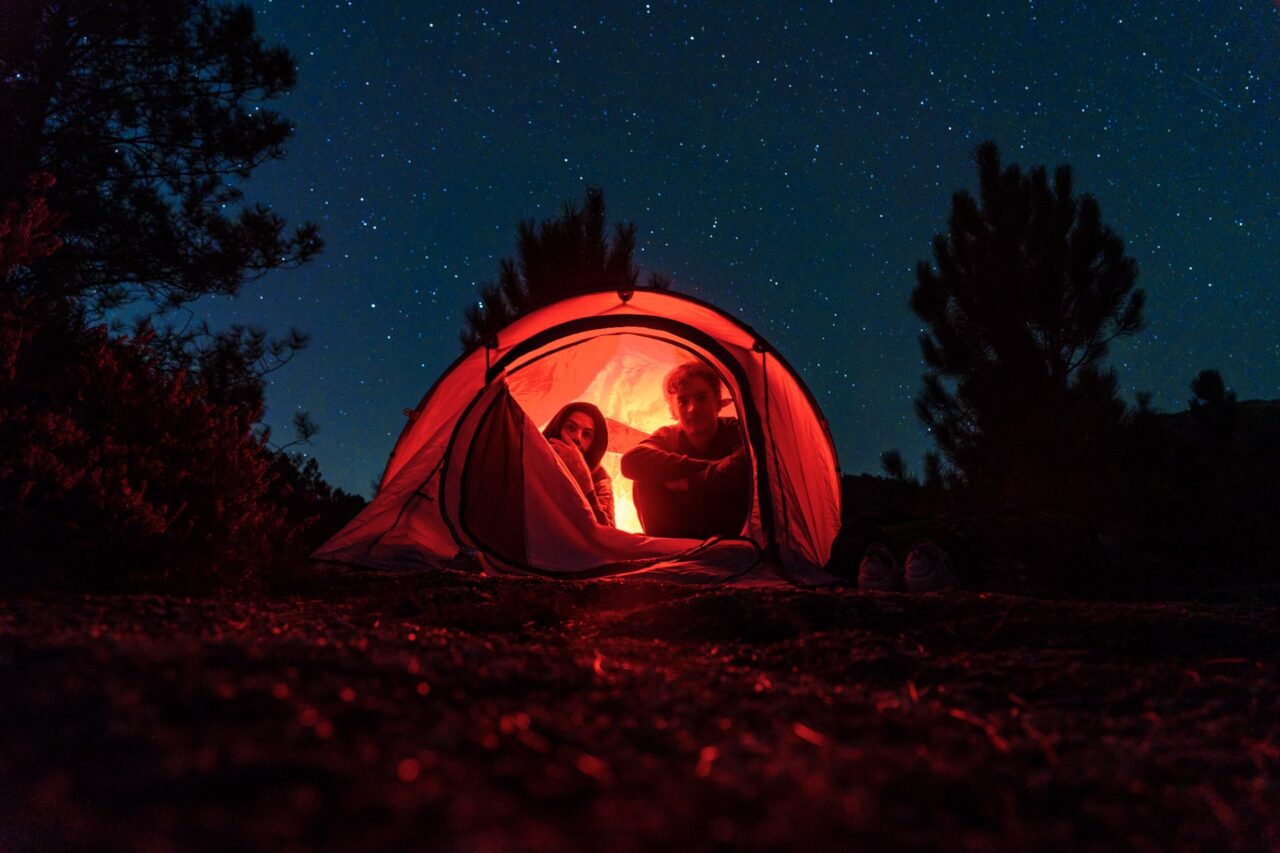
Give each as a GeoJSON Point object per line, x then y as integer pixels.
{"type": "Point", "coordinates": [472, 471]}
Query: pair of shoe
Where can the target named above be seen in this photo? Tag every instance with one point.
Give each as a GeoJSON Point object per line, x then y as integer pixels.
{"type": "Point", "coordinates": [928, 569]}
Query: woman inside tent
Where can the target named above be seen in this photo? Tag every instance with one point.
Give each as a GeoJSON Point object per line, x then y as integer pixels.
{"type": "Point", "coordinates": [579, 435]}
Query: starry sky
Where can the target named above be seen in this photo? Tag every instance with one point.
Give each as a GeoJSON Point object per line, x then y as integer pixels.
{"type": "Point", "coordinates": [789, 163]}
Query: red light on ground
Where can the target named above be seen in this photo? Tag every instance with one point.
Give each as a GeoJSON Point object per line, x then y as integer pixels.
{"type": "Point", "coordinates": [407, 770]}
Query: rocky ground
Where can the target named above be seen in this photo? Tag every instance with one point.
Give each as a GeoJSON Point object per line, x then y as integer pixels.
{"type": "Point", "coordinates": [454, 712]}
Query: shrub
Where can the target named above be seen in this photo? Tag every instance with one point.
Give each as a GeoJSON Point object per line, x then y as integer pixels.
{"type": "Point", "coordinates": [115, 471]}
{"type": "Point", "coordinates": [315, 508]}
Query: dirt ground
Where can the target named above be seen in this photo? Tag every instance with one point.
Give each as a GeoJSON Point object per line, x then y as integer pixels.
{"type": "Point", "coordinates": [452, 712]}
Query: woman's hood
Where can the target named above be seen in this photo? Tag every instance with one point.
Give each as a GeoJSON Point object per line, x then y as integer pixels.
{"type": "Point", "coordinates": [599, 441]}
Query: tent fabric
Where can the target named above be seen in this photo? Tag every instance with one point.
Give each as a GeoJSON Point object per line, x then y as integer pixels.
{"type": "Point", "coordinates": [471, 470]}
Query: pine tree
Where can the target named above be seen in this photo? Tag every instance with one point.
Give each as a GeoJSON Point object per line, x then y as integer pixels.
{"type": "Point", "coordinates": [150, 114]}
{"type": "Point", "coordinates": [560, 257]}
{"type": "Point", "coordinates": [1025, 292]}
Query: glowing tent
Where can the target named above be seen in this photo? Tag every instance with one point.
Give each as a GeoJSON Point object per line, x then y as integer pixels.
{"type": "Point", "coordinates": [471, 471]}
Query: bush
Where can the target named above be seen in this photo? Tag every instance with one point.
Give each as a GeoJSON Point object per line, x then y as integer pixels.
{"type": "Point", "coordinates": [115, 471]}
{"type": "Point", "coordinates": [315, 508]}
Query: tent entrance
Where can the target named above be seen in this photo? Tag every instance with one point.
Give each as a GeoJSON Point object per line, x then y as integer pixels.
{"type": "Point", "coordinates": [734, 363]}
{"type": "Point", "coordinates": [517, 506]}
{"type": "Point", "coordinates": [622, 374]}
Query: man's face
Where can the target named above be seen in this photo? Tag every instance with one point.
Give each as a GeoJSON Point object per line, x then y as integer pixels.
{"type": "Point", "coordinates": [578, 429]}
{"type": "Point", "coordinates": [696, 406]}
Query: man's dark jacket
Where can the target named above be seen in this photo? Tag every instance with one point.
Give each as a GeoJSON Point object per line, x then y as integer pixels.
{"type": "Point", "coordinates": [719, 483]}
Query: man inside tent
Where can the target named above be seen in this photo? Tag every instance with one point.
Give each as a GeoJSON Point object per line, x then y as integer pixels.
{"type": "Point", "coordinates": [691, 478]}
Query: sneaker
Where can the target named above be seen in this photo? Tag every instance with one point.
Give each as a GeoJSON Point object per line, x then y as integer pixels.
{"type": "Point", "coordinates": [879, 571]}
{"type": "Point", "coordinates": [928, 568]}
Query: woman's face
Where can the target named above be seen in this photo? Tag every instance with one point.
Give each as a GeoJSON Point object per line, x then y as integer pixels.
{"type": "Point", "coordinates": [578, 429]}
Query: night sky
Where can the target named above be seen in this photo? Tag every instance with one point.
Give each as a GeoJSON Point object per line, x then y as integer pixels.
{"type": "Point", "coordinates": [788, 163]}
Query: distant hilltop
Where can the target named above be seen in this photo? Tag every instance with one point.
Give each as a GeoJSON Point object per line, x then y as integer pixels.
{"type": "Point", "coordinates": [1257, 424]}
{"type": "Point", "coordinates": [1256, 436]}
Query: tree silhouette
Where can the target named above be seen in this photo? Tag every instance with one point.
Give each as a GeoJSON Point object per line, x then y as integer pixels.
{"type": "Point", "coordinates": [1025, 292]}
{"type": "Point", "coordinates": [136, 455]}
{"type": "Point", "coordinates": [1213, 411]}
{"type": "Point", "coordinates": [892, 464]}
{"type": "Point", "coordinates": [149, 113]}
{"type": "Point", "coordinates": [560, 257]}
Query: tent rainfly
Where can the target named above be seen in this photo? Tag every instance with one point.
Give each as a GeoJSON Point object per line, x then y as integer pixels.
{"type": "Point", "coordinates": [471, 472]}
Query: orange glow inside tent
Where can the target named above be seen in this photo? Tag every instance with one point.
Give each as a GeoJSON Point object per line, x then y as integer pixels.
{"type": "Point", "coordinates": [626, 387]}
